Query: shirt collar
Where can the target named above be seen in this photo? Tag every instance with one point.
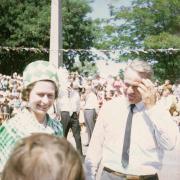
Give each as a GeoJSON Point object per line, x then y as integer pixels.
{"type": "Point", "coordinates": [138, 106]}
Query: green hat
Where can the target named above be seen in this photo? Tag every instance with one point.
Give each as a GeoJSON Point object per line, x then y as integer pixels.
{"type": "Point", "coordinates": [39, 70]}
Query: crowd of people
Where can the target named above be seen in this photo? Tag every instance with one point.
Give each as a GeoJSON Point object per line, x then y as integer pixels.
{"type": "Point", "coordinates": [103, 90]}
{"type": "Point", "coordinates": [36, 102]}
{"type": "Point", "coordinates": [10, 95]}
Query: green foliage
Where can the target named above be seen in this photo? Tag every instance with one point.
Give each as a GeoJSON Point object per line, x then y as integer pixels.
{"type": "Point", "coordinates": [148, 18]}
{"type": "Point", "coordinates": [163, 40]}
{"type": "Point", "coordinates": [146, 24]}
{"type": "Point", "coordinates": [14, 61]}
{"type": "Point", "coordinates": [78, 30]}
{"type": "Point", "coordinates": [26, 23]}
{"type": "Point", "coordinates": [168, 67]}
{"type": "Point", "coordinates": [23, 23]}
{"type": "Point", "coordinates": [88, 68]}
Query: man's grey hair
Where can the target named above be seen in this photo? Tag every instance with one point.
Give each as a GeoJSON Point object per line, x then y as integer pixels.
{"type": "Point", "coordinates": [143, 68]}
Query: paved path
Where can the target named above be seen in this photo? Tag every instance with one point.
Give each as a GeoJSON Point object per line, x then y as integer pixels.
{"type": "Point", "coordinates": [83, 140]}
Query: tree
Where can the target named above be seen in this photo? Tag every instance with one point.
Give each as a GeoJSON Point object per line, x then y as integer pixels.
{"type": "Point", "coordinates": [148, 24]}
{"type": "Point", "coordinates": [26, 23]}
{"type": "Point", "coordinates": [78, 30]}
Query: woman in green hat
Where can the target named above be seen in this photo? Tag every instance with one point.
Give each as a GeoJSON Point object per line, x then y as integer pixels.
{"type": "Point", "coordinates": [40, 91]}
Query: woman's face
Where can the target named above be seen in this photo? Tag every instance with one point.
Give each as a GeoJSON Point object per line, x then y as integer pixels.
{"type": "Point", "coordinates": [42, 97]}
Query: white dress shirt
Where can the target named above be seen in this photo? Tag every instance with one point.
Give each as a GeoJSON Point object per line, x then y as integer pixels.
{"type": "Point", "coordinates": [69, 100]}
{"type": "Point", "coordinates": [74, 101]}
{"type": "Point", "coordinates": [152, 132]}
{"type": "Point", "coordinates": [63, 101]}
{"type": "Point", "coordinates": [91, 102]}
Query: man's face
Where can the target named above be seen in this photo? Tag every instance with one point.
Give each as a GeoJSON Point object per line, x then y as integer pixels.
{"type": "Point", "coordinates": [131, 81]}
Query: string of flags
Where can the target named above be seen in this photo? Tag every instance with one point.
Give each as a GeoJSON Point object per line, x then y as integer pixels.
{"type": "Point", "coordinates": [93, 50]}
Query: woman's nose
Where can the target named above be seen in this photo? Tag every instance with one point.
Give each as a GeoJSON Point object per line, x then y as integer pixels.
{"type": "Point", "coordinates": [45, 99]}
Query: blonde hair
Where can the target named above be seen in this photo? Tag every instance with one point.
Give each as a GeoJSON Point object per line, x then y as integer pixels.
{"type": "Point", "coordinates": [44, 156]}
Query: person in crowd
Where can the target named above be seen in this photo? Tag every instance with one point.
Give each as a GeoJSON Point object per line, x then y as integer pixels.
{"type": "Point", "coordinates": [43, 156]}
{"type": "Point", "coordinates": [91, 109]}
{"type": "Point", "coordinates": [167, 84]}
{"type": "Point", "coordinates": [96, 81]}
{"type": "Point", "coordinates": [69, 108]}
{"type": "Point", "coordinates": [7, 110]}
{"type": "Point", "coordinates": [5, 83]}
{"type": "Point", "coordinates": [117, 84]}
{"type": "Point", "coordinates": [40, 91]}
{"type": "Point", "coordinates": [101, 96]}
{"type": "Point", "coordinates": [131, 132]}
{"type": "Point", "coordinates": [176, 89]}
{"type": "Point", "coordinates": [168, 99]}
{"type": "Point", "coordinates": [109, 94]}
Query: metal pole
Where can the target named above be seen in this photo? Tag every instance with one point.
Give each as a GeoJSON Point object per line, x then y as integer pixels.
{"type": "Point", "coordinates": [56, 43]}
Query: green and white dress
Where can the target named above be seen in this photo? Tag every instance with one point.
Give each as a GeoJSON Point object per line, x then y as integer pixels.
{"type": "Point", "coordinates": [20, 126]}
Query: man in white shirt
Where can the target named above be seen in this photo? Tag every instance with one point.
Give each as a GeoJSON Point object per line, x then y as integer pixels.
{"type": "Point", "coordinates": [69, 104]}
{"type": "Point", "coordinates": [152, 131]}
{"type": "Point", "coordinates": [91, 108]}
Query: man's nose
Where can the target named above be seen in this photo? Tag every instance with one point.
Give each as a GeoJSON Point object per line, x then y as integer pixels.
{"type": "Point", "coordinates": [130, 89]}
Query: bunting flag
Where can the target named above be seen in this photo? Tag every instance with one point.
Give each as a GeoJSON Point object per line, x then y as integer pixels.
{"type": "Point", "coordinates": [93, 50]}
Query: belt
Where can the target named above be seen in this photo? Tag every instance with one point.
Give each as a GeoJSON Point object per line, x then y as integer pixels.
{"type": "Point", "coordinates": [132, 177]}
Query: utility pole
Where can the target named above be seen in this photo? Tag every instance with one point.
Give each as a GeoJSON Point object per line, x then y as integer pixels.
{"type": "Point", "coordinates": [56, 43]}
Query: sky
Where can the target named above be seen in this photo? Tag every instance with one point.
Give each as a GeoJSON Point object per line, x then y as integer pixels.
{"type": "Point", "coordinates": [100, 7]}
{"type": "Point", "coordinates": [100, 10]}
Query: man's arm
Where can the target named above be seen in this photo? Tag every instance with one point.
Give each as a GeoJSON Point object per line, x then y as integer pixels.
{"type": "Point", "coordinates": [94, 152]}
{"type": "Point", "coordinates": [166, 130]}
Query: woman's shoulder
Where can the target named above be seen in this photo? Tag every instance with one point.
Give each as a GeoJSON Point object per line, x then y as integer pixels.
{"type": "Point", "coordinates": [55, 125]}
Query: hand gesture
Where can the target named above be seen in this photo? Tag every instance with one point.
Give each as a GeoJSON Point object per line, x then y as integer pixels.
{"type": "Point", "coordinates": [148, 92]}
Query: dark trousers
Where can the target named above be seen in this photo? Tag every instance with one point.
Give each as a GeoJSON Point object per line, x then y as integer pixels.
{"type": "Point", "coordinates": [110, 176]}
{"type": "Point", "coordinates": [89, 118]}
{"type": "Point", "coordinates": [73, 123]}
